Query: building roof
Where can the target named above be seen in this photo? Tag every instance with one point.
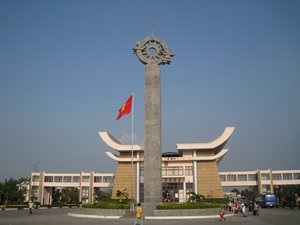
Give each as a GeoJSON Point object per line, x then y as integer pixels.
{"type": "Point", "coordinates": [216, 148]}
{"type": "Point", "coordinates": [115, 144]}
{"type": "Point", "coordinates": [216, 145]}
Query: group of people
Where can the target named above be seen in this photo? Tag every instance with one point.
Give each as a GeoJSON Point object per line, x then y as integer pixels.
{"type": "Point", "coordinates": [237, 207]}
{"type": "Point", "coordinates": [234, 206]}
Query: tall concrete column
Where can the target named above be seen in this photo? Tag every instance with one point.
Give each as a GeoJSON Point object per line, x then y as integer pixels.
{"type": "Point", "coordinates": [138, 177]}
{"type": "Point", "coordinates": [152, 52]}
{"type": "Point", "coordinates": [195, 173]}
{"type": "Point", "coordinates": [152, 137]}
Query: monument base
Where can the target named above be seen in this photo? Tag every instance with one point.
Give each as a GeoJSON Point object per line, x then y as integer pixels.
{"type": "Point", "coordinates": [148, 208]}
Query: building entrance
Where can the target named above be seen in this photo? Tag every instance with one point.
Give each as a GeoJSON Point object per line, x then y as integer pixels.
{"type": "Point", "coordinates": [173, 192]}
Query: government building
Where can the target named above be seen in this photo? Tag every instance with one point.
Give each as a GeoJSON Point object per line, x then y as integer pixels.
{"type": "Point", "coordinates": [43, 184]}
{"type": "Point", "coordinates": [193, 168]}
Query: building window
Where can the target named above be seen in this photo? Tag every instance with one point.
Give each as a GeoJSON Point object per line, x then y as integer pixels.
{"type": "Point", "coordinates": [252, 177]}
{"type": "Point", "coordinates": [85, 179]}
{"type": "Point", "coordinates": [35, 178]}
{"type": "Point", "coordinates": [85, 192]}
{"type": "Point", "coordinates": [178, 171]}
{"type": "Point", "coordinates": [296, 176]}
{"type": "Point", "coordinates": [266, 188]}
{"type": "Point", "coordinates": [108, 179]}
{"type": "Point", "coordinates": [265, 176]}
{"type": "Point", "coordinates": [141, 171]}
{"type": "Point", "coordinates": [35, 190]}
{"type": "Point", "coordinates": [287, 176]}
{"type": "Point", "coordinates": [163, 171]}
{"type": "Point", "coordinates": [276, 176]}
{"type": "Point", "coordinates": [67, 179]}
{"type": "Point", "coordinates": [231, 177]}
{"type": "Point", "coordinates": [222, 178]}
{"type": "Point", "coordinates": [188, 170]}
{"type": "Point", "coordinates": [242, 177]}
{"type": "Point", "coordinates": [58, 179]}
{"type": "Point", "coordinates": [172, 171]}
{"type": "Point", "coordinates": [189, 187]}
{"type": "Point", "coordinates": [48, 179]}
{"type": "Point", "coordinates": [76, 179]}
{"type": "Point", "coordinates": [103, 189]}
{"type": "Point", "coordinates": [97, 179]}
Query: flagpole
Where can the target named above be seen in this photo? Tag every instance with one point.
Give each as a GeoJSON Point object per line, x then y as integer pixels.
{"type": "Point", "coordinates": [132, 113]}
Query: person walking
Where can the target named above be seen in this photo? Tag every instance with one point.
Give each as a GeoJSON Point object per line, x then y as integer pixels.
{"type": "Point", "coordinates": [222, 215]}
{"type": "Point", "coordinates": [245, 213]}
{"type": "Point", "coordinates": [139, 215]}
{"type": "Point", "coordinates": [255, 209]}
{"type": "Point", "coordinates": [30, 207]}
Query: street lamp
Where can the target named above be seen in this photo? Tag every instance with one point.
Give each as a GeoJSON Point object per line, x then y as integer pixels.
{"type": "Point", "coordinates": [32, 192]}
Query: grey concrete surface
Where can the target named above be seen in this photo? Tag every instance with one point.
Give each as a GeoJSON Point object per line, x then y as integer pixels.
{"type": "Point", "coordinates": [152, 52]}
{"type": "Point", "coordinates": [152, 139]}
{"type": "Point", "coordinates": [274, 216]}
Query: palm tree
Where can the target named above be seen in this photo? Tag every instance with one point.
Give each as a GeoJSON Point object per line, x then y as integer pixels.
{"type": "Point", "coordinates": [74, 195]}
{"type": "Point", "coordinates": [22, 193]}
{"type": "Point", "coordinates": [195, 197]}
{"type": "Point", "coordinates": [65, 195]}
{"type": "Point", "coordinates": [122, 194]}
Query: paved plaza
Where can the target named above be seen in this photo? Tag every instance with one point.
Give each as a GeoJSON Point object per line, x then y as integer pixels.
{"type": "Point", "coordinates": [280, 216]}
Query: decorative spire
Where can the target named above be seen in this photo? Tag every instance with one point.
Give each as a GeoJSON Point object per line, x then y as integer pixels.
{"type": "Point", "coordinates": [153, 50]}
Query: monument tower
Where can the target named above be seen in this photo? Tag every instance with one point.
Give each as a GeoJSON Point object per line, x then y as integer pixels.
{"type": "Point", "coordinates": [193, 168]}
{"type": "Point", "coordinates": [152, 52]}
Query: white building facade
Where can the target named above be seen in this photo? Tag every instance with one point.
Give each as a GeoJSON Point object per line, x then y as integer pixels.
{"type": "Point", "coordinates": [43, 184]}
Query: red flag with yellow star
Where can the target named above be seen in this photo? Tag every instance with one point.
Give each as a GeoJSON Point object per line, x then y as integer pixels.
{"type": "Point", "coordinates": [126, 108]}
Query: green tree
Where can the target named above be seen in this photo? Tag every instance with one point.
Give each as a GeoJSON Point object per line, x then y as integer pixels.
{"type": "Point", "coordinates": [1, 193]}
{"type": "Point", "coordinates": [11, 191]}
{"type": "Point", "coordinates": [69, 195]}
{"type": "Point", "coordinates": [122, 194]}
{"type": "Point", "coordinates": [102, 196]}
{"type": "Point", "coordinates": [195, 197]}
{"type": "Point", "coordinates": [287, 193]}
{"type": "Point", "coordinates": [74, 195]}
{"type": "Point", "coordinates": [65, 195]}
{"type": "Point", "coordinates": [56, 196]}
{"type": "Point", "coordinates": [248, 193]}
{"type": "Point", "coordinates": [236, 191]}
{"type": "Point", "coordinates": [22, 194]}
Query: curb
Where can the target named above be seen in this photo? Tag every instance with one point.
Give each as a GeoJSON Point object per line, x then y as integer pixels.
{"type": "Point", "coordinates": [148, 217]}
{"type": "Point", "coordinates": [183, 217]}
{"type": "Point", "coordinates": [179, 217]}
{"type": "Point", "coordinates": [11, 209]}
{"type": "Point", "coordinates": [93, 216]}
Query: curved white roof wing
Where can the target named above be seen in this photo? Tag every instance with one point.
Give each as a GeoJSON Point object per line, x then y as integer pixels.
{"type": "Point", "coordinates": [117, 158]}
{"type": "Point", "coordinates": [209, 145]}
{"type": "Point", "coordinates": [115, 144]}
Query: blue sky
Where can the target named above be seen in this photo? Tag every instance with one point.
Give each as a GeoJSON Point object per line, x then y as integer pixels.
{"type": "Point", "coordinates": [66, 68]}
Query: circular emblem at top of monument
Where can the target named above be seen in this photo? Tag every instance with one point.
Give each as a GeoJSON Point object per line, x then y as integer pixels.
{"type": "Point", "coordinates": [153, 50]}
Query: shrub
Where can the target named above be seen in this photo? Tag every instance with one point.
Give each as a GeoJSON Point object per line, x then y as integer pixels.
{"type": "Point", "coordinates": [216, 200]}
{"type": "Point", "coordinates": [197, 205]}
{"type": "Point", "coordinates": [195, 197]}
{"type": "Point", "coordinates": [108, 205]}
